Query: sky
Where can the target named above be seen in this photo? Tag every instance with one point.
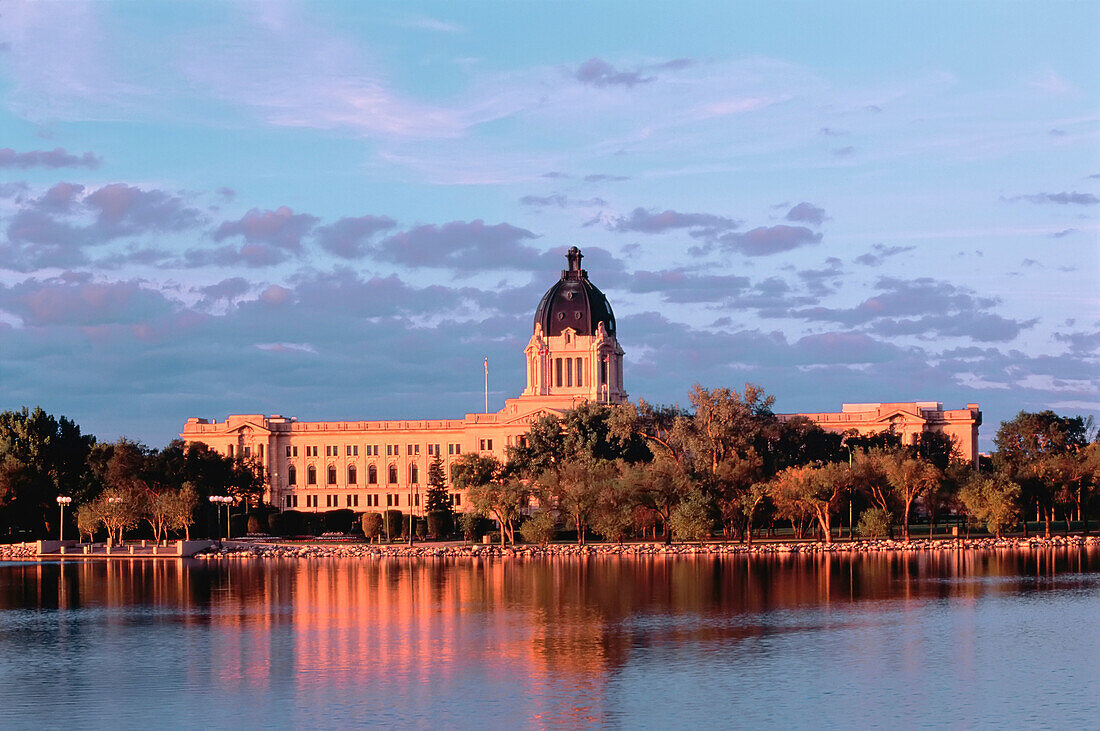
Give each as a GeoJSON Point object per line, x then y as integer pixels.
{"type": "Point", "coordinates": [338, 210]}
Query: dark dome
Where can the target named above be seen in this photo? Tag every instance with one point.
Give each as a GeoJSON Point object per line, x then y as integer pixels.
{"type": "Point", "coordinates": [574, 302]}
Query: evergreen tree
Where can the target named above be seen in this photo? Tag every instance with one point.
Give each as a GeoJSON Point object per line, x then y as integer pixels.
{"type": "Point", "coordinates": [440, 511]}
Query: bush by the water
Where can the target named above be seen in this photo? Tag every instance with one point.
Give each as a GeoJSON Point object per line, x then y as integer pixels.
{"type": "Point", "coordinates": [873, 523]}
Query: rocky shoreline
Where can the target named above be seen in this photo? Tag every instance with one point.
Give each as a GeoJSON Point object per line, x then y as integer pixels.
{"type": "Point", "coordinates": [565, 550]}
{"type": "Point", "coordinates": [277, 550]}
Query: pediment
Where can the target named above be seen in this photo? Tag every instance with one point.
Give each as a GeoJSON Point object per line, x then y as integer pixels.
{"type": "Point", "coordinates": [530, 417]}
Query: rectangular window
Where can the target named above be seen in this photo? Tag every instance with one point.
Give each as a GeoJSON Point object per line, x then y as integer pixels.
{"type": "Point", "coordinates": [389, 500]}
{"type": "Point", "coordinates": [458, 498]}
{"type": "Point", "coordinates": [261, 448]}
{"type": "Point", "coordinates": [603, 372]}
{"type": "Point", "coordinates": [569, 372]}
{"type": "Point", "coordinates": [230, 450]}
{"type": "Point", "coordinates": [486, 445]}
{"type": "Point", "coordinates": [580, 379]}
{"type": "Point", "coordinates": [247, 451]}
{"type": "Point", "coordinates": [450, 449]}
{"type": "Point", "coordinates": [458, 449]}
{"type": "Point", "coordinates": [417, 498]}
{"type": "Point", "coordinates": [557, 371]}
{"type": "Point", "coordinates": [414, 474]}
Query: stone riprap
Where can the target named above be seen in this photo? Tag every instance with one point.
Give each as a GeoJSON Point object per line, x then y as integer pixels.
{"type": "Point", "coordinates": [242, 550]}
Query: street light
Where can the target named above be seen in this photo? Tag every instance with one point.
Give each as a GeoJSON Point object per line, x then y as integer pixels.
{"type": "Point", "coordinates": [226, 501]}
{"type": "Point", "coordinates": [62, 501]}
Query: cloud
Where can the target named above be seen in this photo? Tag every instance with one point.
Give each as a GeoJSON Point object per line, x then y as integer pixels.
{"type": "Point", "coordinates": [287, 347]}
{"type": "Point", "coordinates": [652, 222]}
{"type": "Point", "coordinates": [1063, 233]}
{"type": "Point", "coordinates": [768, 240]}
{"type": "Point", "coordinates": [821, 282]}
{"type": "Point", "coordinates": [560, 201]}
{"type": "Point", "coordinates": [56, 227]}
{"type": "Point", "coordinates": [56, 158]}
{"type": "Point", "coordinates": [806, 213]}
{"type": "Point", "coordinates": [1084, 344]}
{"type": "Point", "coordinates": [597, 72]}
{"type": "Point", "coordinates": [348, 237]}
{"type": "Point", "coordinates": [1074, 198]}
{"type": "Point", "coordinates": [602, 178]}
{"type": "Point", "coordinates": [924, 306]}
{"type": "Point", "coordinates": [281, 228]}
{"type": "Point", "coordinates": [830, 132]}
{"type": "Point", "coordinates": [75, 299]}
{"type": "Point", "coordinates": [846, 151]}
{"type": "Point", "coordinates": [550, 200]}
{"type": "Point", "coordinates": [880, 253]}
{"type": "Point", "coordinates": [461, 245]}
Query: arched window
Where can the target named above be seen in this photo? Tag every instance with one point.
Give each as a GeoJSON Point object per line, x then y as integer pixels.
{"type": "Point", "coordinates": [391, 478]}
{"type": "Point", "coordinates": [332, 474]}
{"type": "Point", "coordinates": [292, 476]}
{"type": "Point", "coordinates": [311, 475]}
{"type": "Point", "coordinates": [414, 474]}
{"type": "Point", "coordinates": [352, 474]}
{"type": "Point", "coordinates": [372, 475]}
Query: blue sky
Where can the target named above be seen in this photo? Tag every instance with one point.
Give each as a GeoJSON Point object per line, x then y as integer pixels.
{"type": "Point", "coordinates": [335, 211]}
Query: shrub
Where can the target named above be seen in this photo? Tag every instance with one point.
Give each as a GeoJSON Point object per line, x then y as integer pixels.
{"type": "Point", "coordinates": [539, 528]}
{"type": "Point", "coordinates": [690, 520]}
{"type": "Point", "coordinates": [254, 523]}
{"type": "Point", "coordinates": [473, 525]}
{"type": "Point", "coordinates": [391, 524]}
{"type": "Point", "coordinates": [338, 521]}
{"type": "Point", "coordinates": [293, 523]}
{"type": "Point", "coordinates": [372, 525]}
{"type": "Point", "coordinates": [440, 524]}
{"type": "Point", "coordinates": [873, 523]}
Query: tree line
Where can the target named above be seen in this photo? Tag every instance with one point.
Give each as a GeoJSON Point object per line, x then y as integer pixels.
{"type": "Point", "coordinates": [114, 486]}
{"type": "Point", "coordinates": [726, 466]}
{"type": "Point", "coordinates": [729, 466]}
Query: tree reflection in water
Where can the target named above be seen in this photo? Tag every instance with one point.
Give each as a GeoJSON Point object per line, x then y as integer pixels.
{"type": "Point", "coordinates": [480, 639]}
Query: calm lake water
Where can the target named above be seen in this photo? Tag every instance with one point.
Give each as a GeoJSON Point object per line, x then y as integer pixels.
{"type": "Point", "coordinates": [953, 639]}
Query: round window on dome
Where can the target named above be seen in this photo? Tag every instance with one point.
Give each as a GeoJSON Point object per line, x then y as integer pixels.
{"type": "Point", "coordinates": [561, 315]}
{"type": "Point", "coordinates": [577, 315]}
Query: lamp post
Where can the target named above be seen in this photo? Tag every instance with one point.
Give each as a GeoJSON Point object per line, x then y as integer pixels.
{"type": "Point", "coordinates": [62, 501]}
{"type": "Point", "coordinates": [226, 501]}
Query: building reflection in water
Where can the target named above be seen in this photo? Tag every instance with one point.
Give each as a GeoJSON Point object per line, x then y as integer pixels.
{"type": "Point", "coordinates": [555, 631]}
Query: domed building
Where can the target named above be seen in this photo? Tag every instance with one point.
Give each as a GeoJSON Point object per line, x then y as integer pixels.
{"type": "Point", "coordinates": [573, 356]}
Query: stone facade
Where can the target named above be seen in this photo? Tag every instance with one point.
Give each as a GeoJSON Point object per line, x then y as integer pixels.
{"type": "Point", "coordinates": [907, 420]}
{"type": "Point", "coordinates": [573, 356]}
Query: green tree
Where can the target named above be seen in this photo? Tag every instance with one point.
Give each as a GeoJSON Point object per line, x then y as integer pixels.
{"type": "Point", "coordinates": [660, 486]}
{"type": "Point", "coordinates": [576, 486]}
{"type": "Point", "coordinates": [539, 527]}
{"type": "Point", "coordinates": [492, 491]}
{"type": "Point", "coordinates": [41, 457]}
{"type": "Point", "coordinates": [1029, 449]}
{"type": "Point", "coordinates": [909, 478]}
{"type": "Point", "coordinates": [813, 489]}
{"type": "Point", "coordinates": [616, 501]}
{"type": "Point", "coordinates": [751, 500]}
{"type": "Point", "coordinates": [992, 500]}
{"type": "Point", "coordinates": [438, 500]}
{"type": "Point", "coordinates": [690, 519]}
{"type": "Point", "coordinates": [181, 509]}
{"type": "Point", "coordinates": [874, 522]}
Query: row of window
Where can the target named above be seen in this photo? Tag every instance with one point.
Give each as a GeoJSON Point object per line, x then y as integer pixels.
{"type": "Point", "coordinates": [372, 501]}
{"type": "Point", "coordinates": [371, 450]}
{"type": "Point", "coordinates": [246, 451]}
{"type": "Point", "coordinates": [352, 474]}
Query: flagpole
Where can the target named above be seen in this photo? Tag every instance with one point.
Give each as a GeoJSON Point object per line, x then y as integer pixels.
{"type": "Point", "coordinates": [486, 385]}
